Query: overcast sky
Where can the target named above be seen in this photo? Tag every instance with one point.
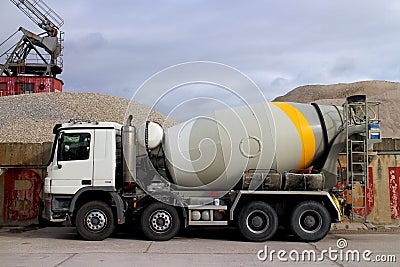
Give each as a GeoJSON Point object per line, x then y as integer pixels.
{"type": "Point", "coordinates": [112, 47]}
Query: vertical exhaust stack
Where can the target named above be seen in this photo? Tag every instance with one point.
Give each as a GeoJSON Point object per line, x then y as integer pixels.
{"type": "Point", "coordinates": [129, 151]}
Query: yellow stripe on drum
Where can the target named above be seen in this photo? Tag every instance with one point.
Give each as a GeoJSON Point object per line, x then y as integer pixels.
{"type": "Point", "coordinates": [305, 132]}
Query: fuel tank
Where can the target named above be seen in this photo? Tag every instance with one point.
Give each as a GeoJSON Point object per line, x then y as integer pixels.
{"type": "Point", "coordinates": [212, 152]}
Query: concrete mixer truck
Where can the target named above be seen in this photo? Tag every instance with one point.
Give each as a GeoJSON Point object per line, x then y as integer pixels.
{"type": "Point", "coordinates": [257, 167]}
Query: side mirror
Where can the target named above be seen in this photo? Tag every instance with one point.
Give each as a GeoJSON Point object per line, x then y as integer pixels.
{"type": "Point", "coordinates": [59, 148]}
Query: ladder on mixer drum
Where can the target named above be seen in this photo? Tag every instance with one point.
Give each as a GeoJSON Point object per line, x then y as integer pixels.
{"type": "Point", "coordinates": [365, 116]}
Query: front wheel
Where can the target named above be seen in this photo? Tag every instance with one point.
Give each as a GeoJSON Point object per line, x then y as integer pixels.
{"type": "Point", "coordinates": [310, 221]}
{"type": "Point", "coordinates": [258, 221]}
{"type": "Point", "coordinates": [160, 222]}
{"type": "Point", "coordinates": [95, 221]}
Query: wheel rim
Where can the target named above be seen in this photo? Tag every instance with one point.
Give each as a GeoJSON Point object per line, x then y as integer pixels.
{"type": "Point", "coordinates": [95, 220]}
{"type": "Point", "coordinates": [310, 221]}
{"type": "Point", "coordinates": [258, 221]}
{"type": "Point", "coordinates": [160, 220]}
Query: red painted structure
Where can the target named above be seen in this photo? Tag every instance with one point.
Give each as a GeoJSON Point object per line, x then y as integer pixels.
{"type": "Point", "coordinates": [18, 85]}
{"type": "Point", "coordinates": [22, 191]}
{"type": "Point", "coordinates": [394, 179]}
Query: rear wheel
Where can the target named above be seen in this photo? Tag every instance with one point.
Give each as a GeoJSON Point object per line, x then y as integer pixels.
{"type": "Point", "coordinates": [95, 221]}
{"type": "Point", "coordinates": [160, 222]}
{"type": "Point", "coordinates": [258, 221]}
{"type": "Point", "coordinates": [310, 221]}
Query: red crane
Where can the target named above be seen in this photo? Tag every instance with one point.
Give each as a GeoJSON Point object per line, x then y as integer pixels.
{"type": "Point", "coordinates": [32, 64]}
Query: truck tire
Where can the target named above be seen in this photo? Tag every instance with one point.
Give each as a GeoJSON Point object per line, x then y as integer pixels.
{"type": "Point", "coordinates": [310, 221]}
{"type": "Point", "coordinates": [95, 221]}
{"type": "Point", "coordinates": [160, 222]}
{"type": "Point", "coordinates": [258, 221]}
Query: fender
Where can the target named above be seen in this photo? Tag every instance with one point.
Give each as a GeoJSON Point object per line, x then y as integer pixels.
{"type": "Point", "coordinates": [107, 189]}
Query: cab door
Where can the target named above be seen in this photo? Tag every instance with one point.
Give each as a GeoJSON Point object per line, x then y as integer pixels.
{"type": "Point", "coordinates": [72, 167]}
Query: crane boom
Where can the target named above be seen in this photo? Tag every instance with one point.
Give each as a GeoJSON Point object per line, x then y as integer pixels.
{"type": "Point", "coordinates": [41, 14]}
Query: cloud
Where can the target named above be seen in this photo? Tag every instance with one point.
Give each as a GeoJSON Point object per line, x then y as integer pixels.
{"type": "Point", "coordinates": [112, 47]}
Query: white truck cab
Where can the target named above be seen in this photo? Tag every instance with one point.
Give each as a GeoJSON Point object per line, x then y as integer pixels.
{"type": "Point", "coordinates": [84, 156]}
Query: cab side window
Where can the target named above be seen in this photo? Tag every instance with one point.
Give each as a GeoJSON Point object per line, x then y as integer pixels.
{"type": "Point", "coordinates": [74, 146]}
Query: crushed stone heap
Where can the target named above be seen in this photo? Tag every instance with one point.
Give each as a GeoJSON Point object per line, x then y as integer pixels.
{"type": "Point", "coordinates": [31, 118]}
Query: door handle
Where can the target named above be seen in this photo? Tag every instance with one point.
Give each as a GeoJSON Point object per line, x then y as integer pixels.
{"type": "Point", "coordinates": [86, 182]}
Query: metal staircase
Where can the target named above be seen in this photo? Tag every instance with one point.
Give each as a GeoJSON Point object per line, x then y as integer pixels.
{"type": "Point", "coordinates": [363, 115]}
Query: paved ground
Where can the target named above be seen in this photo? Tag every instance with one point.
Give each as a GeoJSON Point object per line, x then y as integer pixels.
{"type": "Point", "coordinates": [60, 246]}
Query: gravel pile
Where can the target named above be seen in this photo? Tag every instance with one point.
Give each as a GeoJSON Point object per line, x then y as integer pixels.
{"type": "Point", "coordinates": [310, 93]}
{"type": "Point", "coordinates": [31, 118]}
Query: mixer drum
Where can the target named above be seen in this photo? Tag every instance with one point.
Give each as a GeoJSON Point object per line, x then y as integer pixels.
{"type": "Point", "coordinates": [212, 152]}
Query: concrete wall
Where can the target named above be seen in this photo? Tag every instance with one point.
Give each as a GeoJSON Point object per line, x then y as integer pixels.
{"type": "Point", "coordinates": [386, 193]}
{"type": "Point", "coordinates": [386, 183]}
{"type": "Point", "coordinates": [21, 179]}
{"type": "Point", "coordinates": [23, 154]}
{"type": "Point", "coordinates": [383, 190]}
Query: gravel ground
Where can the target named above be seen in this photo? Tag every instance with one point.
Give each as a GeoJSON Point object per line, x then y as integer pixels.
{"type": "Point", "coordinates": [31, 118]}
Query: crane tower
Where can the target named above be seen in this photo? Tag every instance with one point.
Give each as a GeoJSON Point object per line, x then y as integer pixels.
{"type": "Point", "coordinates": [31, 65]}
